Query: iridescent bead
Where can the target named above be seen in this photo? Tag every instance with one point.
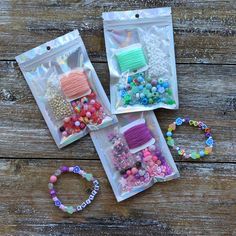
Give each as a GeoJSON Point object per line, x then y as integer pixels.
{"type": "Point", "coordinates": [144, 101]}
{"type": "Point", "coordinates": [140, 79]}
{"type": "Point", "coordinates": [50, 186]}
{"type": "Point", "coordinates": [165, 85]}
{"type": "Point", "coordinates": [169, 134]}
{"type": "Point", "coordinates": [57, 172]}
{"type": "Point", "coordinates": [142, 95]}
{"type": "Point", "coordinates": [140, 87]}
{"type": "Point", "coordinates": [154, 89]}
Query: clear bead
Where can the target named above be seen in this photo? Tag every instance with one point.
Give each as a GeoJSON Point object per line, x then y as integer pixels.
{"type": "Point", "coordinates": [50, 186]}
{"type": "Point", "coordinates": [57, 172]}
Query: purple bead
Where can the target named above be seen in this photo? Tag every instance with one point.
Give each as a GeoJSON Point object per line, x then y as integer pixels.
{"type": "Point", "coordinates": [142, 178]}
{"type": "Point", "coordinates": [64, 168]}
{"type": "Point", "coordinates": [187, 119]}
{"type": "Point", "coordinates": [207, 135]}
{"type": "Point", "coordinates": [137, 176]}
{"type": "Point", "coordinates": [158, 152]}
{"type": "Point", "coordinates": [125, 176]}
{"type": "Point", "coordinates": [53, 193]}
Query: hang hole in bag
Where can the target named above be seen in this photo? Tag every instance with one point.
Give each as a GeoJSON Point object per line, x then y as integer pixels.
{"type": "Point", "coordinates": [137, 15]}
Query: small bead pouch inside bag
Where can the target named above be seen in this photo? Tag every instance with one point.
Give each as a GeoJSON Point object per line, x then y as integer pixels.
{"type": "Point", "coordinates": [132, 172]}
{"type": "Point", "coordinates": [66, 88]}
{"type": "Point", "coordinates": [141, 60]}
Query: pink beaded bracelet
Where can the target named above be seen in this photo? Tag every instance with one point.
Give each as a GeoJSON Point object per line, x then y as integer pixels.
{"type": "Point", "coordinates": [76, 169]}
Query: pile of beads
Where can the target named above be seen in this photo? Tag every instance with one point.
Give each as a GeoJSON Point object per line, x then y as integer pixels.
{"type": "Point", "coordinates": [131, 58]}
{"type": "Point", "coordinates": [72, 124]}
{"type": "Point", "coordinates": [59, 106]}
{"type": "Point", "coordinates": [194, 155]}
{"type": "Point", "coordinates": [89, 109]}
{"type": "Point", "coordinates": [141, 89]}
{"type": "Point", "coordinates": [75, 84]}
{"type": "Point", "coordinates": [158, 60]}
{"type": "Point", "coordinates": [76, 170]}
{"type": "Point", "coordinates": [139, 168]}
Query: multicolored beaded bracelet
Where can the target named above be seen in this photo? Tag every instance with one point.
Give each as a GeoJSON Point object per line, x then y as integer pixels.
{"type": "Point", "coordinates": [76, 170]}
{"type": "Point", "coordinates": [194, 155]}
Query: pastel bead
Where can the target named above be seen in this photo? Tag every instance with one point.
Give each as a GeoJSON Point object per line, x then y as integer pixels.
{"type": "Point", "coordinates": [134, 170]}
{"type": "Point", "coordinates": [53, 179]}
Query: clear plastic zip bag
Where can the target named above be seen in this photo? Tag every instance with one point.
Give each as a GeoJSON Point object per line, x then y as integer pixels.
{"type": "Point", "coordinates": [66, 88]}
{"type": "Point", "coordinates": [133, 166]}
{"type": "Point", "coordinates": [141, 60]}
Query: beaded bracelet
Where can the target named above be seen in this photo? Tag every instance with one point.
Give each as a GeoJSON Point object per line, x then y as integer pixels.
{"type": "Point", "coordinates": [76, 170]}
{"type": "Point", "coordinates": [194, 155]}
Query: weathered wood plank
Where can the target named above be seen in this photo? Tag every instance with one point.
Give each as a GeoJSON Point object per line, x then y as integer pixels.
{"type": "Point", "coordinates": [207, 92]}
{"type": "Point", "coordinates": [204, 30]}
{"type": "Point", "coordinates": [201, 202]}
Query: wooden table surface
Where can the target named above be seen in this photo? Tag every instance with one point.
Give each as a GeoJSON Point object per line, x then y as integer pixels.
{"type": "Point", "coordinates": [201, 202]}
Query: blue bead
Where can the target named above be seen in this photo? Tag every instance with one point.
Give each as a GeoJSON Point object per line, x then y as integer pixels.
{"type": "Point", "coordinates": [179, 121]}
{"type": "Point", "coordinates": [165, 85]}
{"type": "Point", "coordinates": [169, 134]}
{"type": "Point", "coordinates": [144, 101]}
{"type": "Point", "coordinates": [130, 79]}
{"type": "Point", "coordinates": [161, 90]}
{"type": "Point", "coordinates": [210, 141]}
{"type": "Point", "coordinates": [148, 86]}
{"type": "Point", "coordinates": [76, 169]}
{"type": "Point", "coordinates": [142, 95]}
{"type": "Point", "coordinates": [122, 93]}
{"type": "Point", "coordinates": [57, 203]}
{"type": "Point", "coordinates": [140, 87]}
{"type": "Point", "coordinates": [140, 79]}
{"type": "Point", "coordinates": [202, 153]}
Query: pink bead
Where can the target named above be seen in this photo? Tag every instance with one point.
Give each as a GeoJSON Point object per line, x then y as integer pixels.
{"type": "Point", "coordinates": [151, 163]}
{"type": "Point", "coordinates": [134, 170]}
{"type": "Point", "coordinates": [154, 158]}
{"type": "Point", "coordinates": [73, 104]}
{"type": "Point", "coordinates": [92, 101]}
{"type": "Point", "coordinates": [71, 169]}
{"type": "Point", "coordinates": [128, 172]}
{"type": "Point", "coordinates": [53, 179]}
{"type": "Point", "coordinates": [158, 162]}
{"type": "Point", "coordinates": [101, 109]}
{"type": "Point", "coordinates": [67, 119]}
{"type": "Point", "coordinates": [74, 117]}
{"type": "Point", "coordinates": [64, 133]}
{"type": "Point", "coordinates": [86, 107]}
{"type": "Point", "coordinates": [88, 114]}
{"type": "Point", "coordinates": [92, 109]}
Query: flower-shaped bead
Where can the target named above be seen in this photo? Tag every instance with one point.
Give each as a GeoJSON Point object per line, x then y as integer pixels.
{"type": "Point", "coordinates": [179, 121]}
{"type": "Point", "coordinates": [210, 141]}
{"type": "Point", "coordinates": [76, 169]}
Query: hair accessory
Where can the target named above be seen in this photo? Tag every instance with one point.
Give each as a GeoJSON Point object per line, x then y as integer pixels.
{"type": "Point", "coordinates": [75, 84]}
{"type": "Point", "coordinates": [131, 58]}
{"type": "Point", "coordinates": [76, 170]}
{"type": "Point", "coordinates": [194, 155]}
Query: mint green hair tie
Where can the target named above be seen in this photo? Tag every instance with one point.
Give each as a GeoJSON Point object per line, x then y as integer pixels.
{"type": "Point", "coordinates": [131, 58]}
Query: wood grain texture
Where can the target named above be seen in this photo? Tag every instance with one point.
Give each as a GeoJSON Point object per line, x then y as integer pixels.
{"type": "Point", "coordinates": [202, 201]}
{"type": "Point", "coordinates": [206, 92]}
{"type": "Point", "coordinates": [204, 30]}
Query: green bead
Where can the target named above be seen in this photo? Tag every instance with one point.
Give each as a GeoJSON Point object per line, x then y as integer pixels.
{"type": "Point", "coordinates": [132, 84]}
{"type": "Point", "coordinates": [171, 142]}
{"type": "Point", "coordinates": [150, 100]}
{"type": "Point", "coordinates": [148, 79]}
{"type": "Point", "coordinates": [70, 209]}
{"type": "Point", "coordinates": [194, 155]}
{"type": "Point", "coordinates": [169, 91]}
{"type": "Point", "coordinates": [88, 177]}
{"type": "Point", "coordinates": [127, 99]}
{"type": "Point", "coordinates": [170, 102]}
